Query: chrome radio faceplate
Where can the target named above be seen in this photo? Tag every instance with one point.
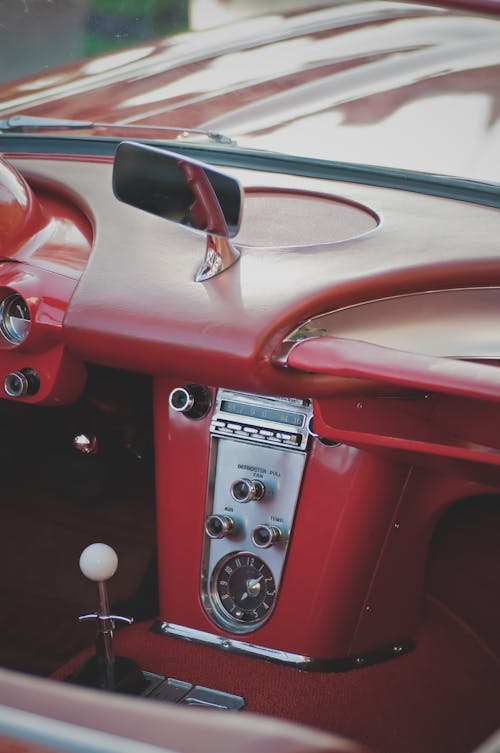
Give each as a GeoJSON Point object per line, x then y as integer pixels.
{"type": "Point", "coordinates": [257, 458]}
{"type": "Point", "coordinates": [265, 420]}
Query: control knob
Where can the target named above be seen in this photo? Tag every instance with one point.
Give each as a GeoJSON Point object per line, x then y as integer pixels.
{"type": "Point", "coordinates": [193, 400]}
{"type": "Point", "coordinates": [264, 536]}
{"type": "Point", "coordinates": [246, 490]}
{"type": "Point", "coordinates": [218, 526]}
{"type": "Point", "coordinates": [21, 383]}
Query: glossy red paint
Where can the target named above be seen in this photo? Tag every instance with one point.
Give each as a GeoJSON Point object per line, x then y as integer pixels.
{"type": "Point", "coordinates": [478, 6]}
{"type": "Point", "coordinates": [420, 421]}
{"type": "Point", "coordinates": [354, 359]}
{"type": "Point", "coordinates": [426, 430]}
{"type": "Point", "coordinates": [360, 82]}
{"type": "Point", "coordinates": [62, 376]}
{"type": "Point", "coordinates": [48, 241]}
{"type": "Point", "coordinates": [247, 312]}
{"type": "Point", "coordinates": [42, 225]}
{"type": "Point", "coordinates": [21, 215]}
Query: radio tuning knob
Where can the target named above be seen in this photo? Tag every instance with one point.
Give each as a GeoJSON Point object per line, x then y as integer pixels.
{"type": "Point", "coordinates": [193, 400]}
{"type": "Point", "coordinates": [246, 490]}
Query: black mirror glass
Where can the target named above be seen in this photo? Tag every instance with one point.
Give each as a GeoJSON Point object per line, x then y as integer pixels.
{"type": "Point", "coordinates": [177, 188]}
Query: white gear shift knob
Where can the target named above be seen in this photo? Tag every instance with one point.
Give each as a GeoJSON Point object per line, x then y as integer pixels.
{"type": "Point", "coordinates": [98, 562]}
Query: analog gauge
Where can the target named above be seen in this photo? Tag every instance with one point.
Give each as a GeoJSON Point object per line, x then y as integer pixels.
{"type": "Point", "coordinates": [243, 589]}
{"type": "Point", "coordinates": [14, 319]}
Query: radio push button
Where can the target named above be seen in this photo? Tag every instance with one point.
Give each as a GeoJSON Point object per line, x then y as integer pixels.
{"type": "Point", "coordinates": [246, 490]}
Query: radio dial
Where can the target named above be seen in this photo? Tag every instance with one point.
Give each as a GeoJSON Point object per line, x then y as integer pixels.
{"type": "Point", "coordinates": [246, 490]}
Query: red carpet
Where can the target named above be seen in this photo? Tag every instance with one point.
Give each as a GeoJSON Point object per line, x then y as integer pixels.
{"type": "Point", "coordinates": [442, 698]}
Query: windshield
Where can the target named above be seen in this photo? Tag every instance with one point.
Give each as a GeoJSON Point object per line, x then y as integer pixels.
{"type": "Point", "coordinates": [379, 83]}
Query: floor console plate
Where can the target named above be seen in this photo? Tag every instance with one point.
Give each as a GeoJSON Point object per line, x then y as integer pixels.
{"type": "Point", "coordinates": [161, 688]}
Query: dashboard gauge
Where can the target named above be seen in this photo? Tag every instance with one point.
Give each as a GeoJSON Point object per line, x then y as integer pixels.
{"type": "Point", "coordinates": [243, 589]}
{"type": "Point", "coordinates": [14, 319]}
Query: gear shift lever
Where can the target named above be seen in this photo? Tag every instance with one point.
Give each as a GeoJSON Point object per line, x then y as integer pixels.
{"type": "Point", "coordinates": [98, 562]}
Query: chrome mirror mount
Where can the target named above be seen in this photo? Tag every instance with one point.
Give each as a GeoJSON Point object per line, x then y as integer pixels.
{"type": "Point", "coordinates": [220, 254]}
{"type": "Point", "coordinates": [184, 191]}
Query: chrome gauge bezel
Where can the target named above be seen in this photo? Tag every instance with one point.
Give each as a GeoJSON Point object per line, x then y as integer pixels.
{"type": "Point", "coordinates": [222, 616]}
{"type": "Point", "coordinates": [10, 326]}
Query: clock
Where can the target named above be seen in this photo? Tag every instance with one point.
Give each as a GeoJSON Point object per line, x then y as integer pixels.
{"type": "Point", "coordinates": [243, 590]}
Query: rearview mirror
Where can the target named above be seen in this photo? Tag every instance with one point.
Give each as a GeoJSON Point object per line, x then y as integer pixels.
{"type": "Point", "coordinates": [177, 188]}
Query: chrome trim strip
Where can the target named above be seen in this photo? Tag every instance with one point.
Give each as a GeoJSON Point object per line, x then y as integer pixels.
{"type": "Point", "coordinates": [456, 323]}
{"type": "Point", "coordinates": [229, 644]}
{"type": "Point", "coordinates": [299, 661]}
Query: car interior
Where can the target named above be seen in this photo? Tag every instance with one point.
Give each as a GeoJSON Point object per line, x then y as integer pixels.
{"type": "Point", "coordinates": [277, 403]}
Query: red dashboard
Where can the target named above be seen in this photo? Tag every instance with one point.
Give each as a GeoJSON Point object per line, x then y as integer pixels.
{"type": "Point", "coordinates": [256, 364]}
{"type": "Point", "coordinates": [396, 437]}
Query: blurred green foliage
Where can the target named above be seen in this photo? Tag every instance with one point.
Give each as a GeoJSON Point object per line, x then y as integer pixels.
{"type": "Point", "coordinates": [112, 24]}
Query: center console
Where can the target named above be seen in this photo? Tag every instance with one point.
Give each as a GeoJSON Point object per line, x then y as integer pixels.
{"type": "Point", "coordinates": [268, 536]}
{"type": "Point", "coordinates": [257, 455]}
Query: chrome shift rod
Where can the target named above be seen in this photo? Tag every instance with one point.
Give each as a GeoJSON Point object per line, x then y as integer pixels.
{"type": "Point", "coordinates": [98, 562]}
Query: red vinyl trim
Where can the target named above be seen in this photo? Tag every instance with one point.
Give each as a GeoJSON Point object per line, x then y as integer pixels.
{"type": "Point", "coordinates": [355, 359]}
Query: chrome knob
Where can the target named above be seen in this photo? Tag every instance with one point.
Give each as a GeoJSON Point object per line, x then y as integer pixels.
{"type": "Point", "coordinates": [87, 444]}
{"type": "Point", "coordinates": [246, 490]}
{"type": "Point", "coordinates": [264, 536]}
{"type": "Point", "coordinates": [21, 383]}
{"type": "Point", "coordinates": [193, 400]}
{"type": "Point", "coordinates": [218, 526]}
{"type": "Point", "coordinates": [15, 384]}
{"type": "Point", "coordinates": [181, 400]}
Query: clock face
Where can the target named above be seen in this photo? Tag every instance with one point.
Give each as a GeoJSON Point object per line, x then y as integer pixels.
{"type": "Point", "coordinates": [243, 589]}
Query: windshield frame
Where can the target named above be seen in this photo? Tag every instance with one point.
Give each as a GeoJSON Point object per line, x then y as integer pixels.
{"type": "Point", "coordinates": [443, 186]}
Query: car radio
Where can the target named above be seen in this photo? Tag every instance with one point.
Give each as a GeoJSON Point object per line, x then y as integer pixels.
{"type": "Point", "coordinates": [268, 420]}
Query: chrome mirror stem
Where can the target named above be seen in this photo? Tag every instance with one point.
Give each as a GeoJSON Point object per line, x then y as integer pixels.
{"type": "Point", "coordinates": [220, 254]}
